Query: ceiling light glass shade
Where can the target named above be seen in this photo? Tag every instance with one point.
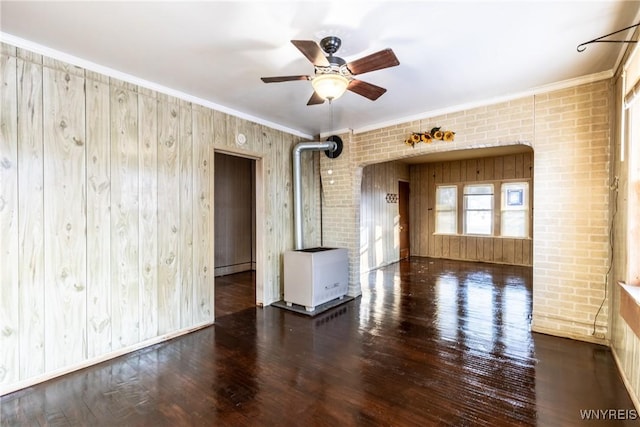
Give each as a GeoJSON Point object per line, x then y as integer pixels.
{"type": "Point", "coordinates": [330, 86]}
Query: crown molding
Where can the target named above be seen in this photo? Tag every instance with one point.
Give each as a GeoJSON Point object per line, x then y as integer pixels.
{"type": "Point", "coordinates": [62, 56]}
{"type": "Point", "coordinates": [564, 84]}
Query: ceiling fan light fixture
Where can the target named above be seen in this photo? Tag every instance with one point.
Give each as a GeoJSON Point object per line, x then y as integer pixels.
{"type": "Point", "coordinates": [330, 86]}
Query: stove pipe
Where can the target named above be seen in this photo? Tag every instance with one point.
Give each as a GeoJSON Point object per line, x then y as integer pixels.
{"type": "Point", "coordinates": [330, 146]}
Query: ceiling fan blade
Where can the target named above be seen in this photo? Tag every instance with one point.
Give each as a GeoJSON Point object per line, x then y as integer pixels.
{"type": "Point", "coordinates": [283, 79]}
{"type": "Point", "coordinates": [312, 51]}
{"type": "Point", "coordinates": [376, 61]}
{"type": "Point", "coordinates": [315, 99]}
{"type": "Point", "coordinates": [365, 89]}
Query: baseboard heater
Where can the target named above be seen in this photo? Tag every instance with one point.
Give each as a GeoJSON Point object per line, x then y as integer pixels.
{"type": "Point", "coordinates": [315, 276]}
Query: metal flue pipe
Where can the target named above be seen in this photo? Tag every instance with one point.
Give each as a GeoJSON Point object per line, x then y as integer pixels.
{"type": "Point", "coordinates": [330, 146]}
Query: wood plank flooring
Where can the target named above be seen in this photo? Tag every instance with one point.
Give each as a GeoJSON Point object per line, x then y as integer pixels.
{"type": "Point", "coordinates": [235, 292]}
{"type": "Point", "coordinates": [430, 342]}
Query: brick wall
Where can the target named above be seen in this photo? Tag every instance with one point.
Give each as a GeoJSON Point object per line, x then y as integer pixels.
{"type": "Point", "coordinates": [341, 207]}
{"type": "Point", "coordinates": [571, 197]}
{"type": "Point", "coordinates": [569, 132]}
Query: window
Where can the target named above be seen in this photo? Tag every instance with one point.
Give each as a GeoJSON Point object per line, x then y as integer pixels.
{"type": "Point", "coordinates": [632, 178]}
{"type": "Point", "coordinates": [514, 218]}
{"type": "Point", "coordinates": [478, 209]}
{"type": "Point", "coordinates": [446, 209]}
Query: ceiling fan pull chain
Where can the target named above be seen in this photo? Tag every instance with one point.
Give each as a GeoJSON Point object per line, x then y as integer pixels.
{"type": "Point", "coordinates": [331, 108]}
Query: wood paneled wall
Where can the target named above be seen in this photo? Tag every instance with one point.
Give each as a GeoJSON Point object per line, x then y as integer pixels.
{"type": "Point", "coordinates": [425, 178]}
{"type": "Point", "coordinates": [100, 176]}
{"type": "Point", "coordinates": [106, 215]}
{"type": "Point", "coordinates": [379, 244]}
{"type": "Point", "coordinates": [233, 210]}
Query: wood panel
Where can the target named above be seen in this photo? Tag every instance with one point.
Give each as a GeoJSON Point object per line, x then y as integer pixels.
{"type": "Point", "coordinates": [31, 213]}
{"type": "Point", "coordinates": [378, 218]}
{"type": "Point", "coordinates": [99, 303]}
{"type": "Point", "coordinates": [416, 200]}
{"type": "Point", "coordinates": [311, 204]}
{"type": "Point", "coordinates": [149, 174]}
{"type": "Point", "coordinates": [125, 205]}
{"type": "Point", "coordinates": [9, 290]}
{"type": "Point", "coordinates": [220, 129]}
{"type": "Point", "coordinates": [527, 251]}
{"type": "Point", "coordinates": [169, 221]}
{"type": "Point", "coordinates": [471, 242]}
{"type": "Point", "coordinates": [203, 229]}
{"type": "Point", "coordinates": [488, 168]}
{"type": "Point", "coordinates": [435, 176]}
{"type": "Point", "coordinates": [65, 220]}
{"type": "Point", "coordinates": [272, 253]}
{"type": "Point", "coordinates": [498, 165]}
{"type": "Point", "coordinates": [282, 204]}
{"type": "Point", "coordinates": [498, 246]}
{"type": "Point", "coordinates": [186, 216]}
{"type": "Point", "coordinates": [432, 177]}
{"type": "Point", "coordinates": [426, 177]}
{"type": "Point", "coordinates": [264, 222]}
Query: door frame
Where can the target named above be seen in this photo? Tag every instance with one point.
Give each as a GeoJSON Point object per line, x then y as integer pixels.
{"type": "Point", "coordinates": [403, 200]}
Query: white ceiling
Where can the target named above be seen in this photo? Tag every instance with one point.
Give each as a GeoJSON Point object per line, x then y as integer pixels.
{"type": "Point", "coordinates": [453, 54]}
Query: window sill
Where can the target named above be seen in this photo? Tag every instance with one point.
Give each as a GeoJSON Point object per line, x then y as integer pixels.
{"type": "Point", "coordinates": [482, 235]}
{"type": "Point", "coordinates": [630, 306]}
{"type": "Point", "coordinates": [633, 290]}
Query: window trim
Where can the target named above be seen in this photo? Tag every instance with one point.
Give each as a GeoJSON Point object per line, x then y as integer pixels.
{"type": "Point", "coordinates": [497, 208]}
{"type": "Point", "coordinates": [525, 202]}
{"type": "Point", "coordinates": [454, 210]}
{"type": "Point", "coordinates": [491, 210]}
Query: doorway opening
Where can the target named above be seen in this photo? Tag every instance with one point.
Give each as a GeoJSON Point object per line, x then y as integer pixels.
{"type": "Point", "coordinates": [403, 214]}
{"type": "Point", "coordinates": [235, 256]}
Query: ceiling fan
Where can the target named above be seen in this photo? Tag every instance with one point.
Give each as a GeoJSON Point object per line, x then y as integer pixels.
{"type": "Point", "coordinates": [333, 75]}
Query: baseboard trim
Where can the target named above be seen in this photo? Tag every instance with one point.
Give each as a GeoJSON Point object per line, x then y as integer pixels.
{"type": "Point", "coordinates": [573, 336]}
{"type": "Point", "coordinates": [11, 388]}
{"type": "Point", "coordinates": [231, 269]}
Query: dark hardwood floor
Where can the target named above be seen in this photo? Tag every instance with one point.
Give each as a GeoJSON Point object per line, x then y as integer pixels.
{"type": "Point", "coordinates": [235, 292]}
{"type": "Point", "coordinates": [430, 342]}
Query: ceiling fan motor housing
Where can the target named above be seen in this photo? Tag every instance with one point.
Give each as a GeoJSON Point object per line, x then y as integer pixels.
{"type": "Point", "coordinates": [336, 61]}
{"type": "Point", "coordinates": [330, 44]}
